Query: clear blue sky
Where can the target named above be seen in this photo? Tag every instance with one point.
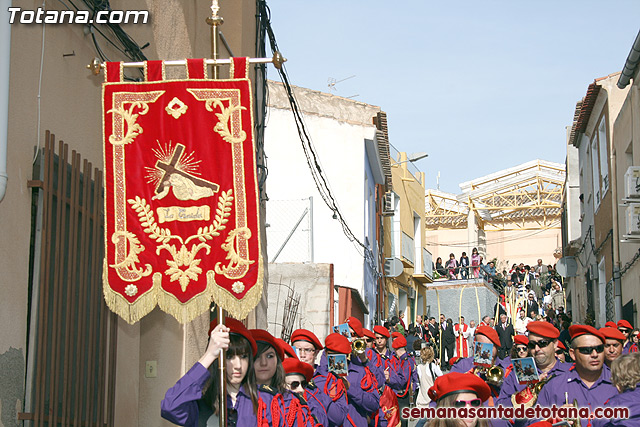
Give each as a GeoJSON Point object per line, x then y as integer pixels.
{"type": "Point", "coordinates": [480, 85]}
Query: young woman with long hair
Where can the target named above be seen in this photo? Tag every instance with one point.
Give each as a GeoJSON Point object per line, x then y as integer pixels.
{"type": "Point", "coordinates": [193, 400]}
{"type": "Point", "coordinates": [456, 390]}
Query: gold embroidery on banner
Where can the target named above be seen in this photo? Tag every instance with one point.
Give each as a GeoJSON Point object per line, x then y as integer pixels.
{"type": "Point", "coordinates": [176, 108]}
{"type": "Point", "coordinates": [231, 246]}
{"type": "Point", "coordinates": [133, 129]}
{"type": "Point", "coordinates": [222, 127]}
{"type": "Point", "coordinates": [229, 127]}
{"type": "Point", "coordinates": [131, 289]}
{"type": "Point", "coordinates": [183, 214]}
{"type": "Point", "coordinates": [238, 287]}
{"type": "Point", "coordinates": [131, 257]}
{"type": "Point", "coordinates": [118, 120]}
{"type": "Point", "coordinates": [183, 257]}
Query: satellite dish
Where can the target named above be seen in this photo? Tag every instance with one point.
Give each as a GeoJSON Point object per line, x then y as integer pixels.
{"type": "Point", "coordinates": [393, 267]}
{"type": "Point", "coordinates": [567, 266]}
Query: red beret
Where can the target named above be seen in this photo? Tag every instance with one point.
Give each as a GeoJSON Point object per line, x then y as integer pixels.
{"type": "Point", "coordinates": [624, 324]}
{"type": "Point", "coordinates": [613, 334]}
{"type": "Point", "coordinates": [396, 334]}
{"type": "Point", "coordinates": [294, 366]}
{"type": "Point", "coordinates": [381, 330]}
{"type": "Point", "coordinates": [455, 382]}
{"type": "Point", "coordinates": [237, 328]}
{"type": "Point", "coordinates": [490, 333]}
{"type": "Point", "coordinates": [544, 329]}
{"type": "Point", "coordinates": [306, 335]}
{"type": "Point", "coordinates": [561, 345]}
{"type": "Point", "coordinates": [356, 325]}
{"type": "Point", "coordinates": [338, 343]}
{"type": "Point", "coordinates": [521, 339]}
{"type": "Point", "coordinates": [367, 333]}
{"type": "Point", "coordinates": [610, 324]}
{"type": "Point", "coordinates": [576, 330]}
{"type": "Point", "coordinates": [286, 348]}
{"type": "Point", "coordinates": [541, 424]}
{"type": "Point", "coordinates": [265, 337]}
{"type": "Point", "coordinates": [399, 342]}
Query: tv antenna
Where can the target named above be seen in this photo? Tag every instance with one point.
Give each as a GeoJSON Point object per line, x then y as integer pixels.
{"type": "Point", "coordinates": [331, 82]}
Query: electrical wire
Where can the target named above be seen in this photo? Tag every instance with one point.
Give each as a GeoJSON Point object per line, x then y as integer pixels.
{"type": "Point", "coordinates": [317, 173]}
{"type": "Point", "coordinates": [496, 241]}
{"type": "Point", "coordinates": [39, 98]}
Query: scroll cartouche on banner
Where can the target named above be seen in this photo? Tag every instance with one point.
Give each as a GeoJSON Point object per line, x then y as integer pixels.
{"type": "Point", "coordinates": [181, 195]}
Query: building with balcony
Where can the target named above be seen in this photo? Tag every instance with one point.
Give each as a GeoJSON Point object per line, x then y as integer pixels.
{"type": "Point", "coordinates": [408, 264]}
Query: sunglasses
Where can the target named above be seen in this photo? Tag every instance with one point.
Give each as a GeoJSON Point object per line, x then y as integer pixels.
{"type": "Point", "coordinates": [624, 331]}
{"type": "Point", "coordinates": [588, 350]}
{"type": "Point", "coordinates": [541, 344]}
{"type": "Point", "coordinates": [560, 351]}
{"type": "Point", "coordinates": [295, 384]}
{"type": "Point", "coordinates": [521, 348]}
{"type": "Point", "coordinates": [462, 403]}
{"type": "Point", "coordinates": [369, 340]}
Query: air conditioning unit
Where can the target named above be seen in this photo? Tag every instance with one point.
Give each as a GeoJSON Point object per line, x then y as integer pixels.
{"type": "Point", "coordinates": [633, 219]}
{"type": "Point", "coordinates": [632, 183]}
{"type": "Point", "coordinates": [387, 207]}
{"type": "Point", "coordinates": [393, 267]}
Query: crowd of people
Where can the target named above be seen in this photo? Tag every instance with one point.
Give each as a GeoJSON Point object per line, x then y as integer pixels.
{"type": "Point", "coordinates": [269, 382]}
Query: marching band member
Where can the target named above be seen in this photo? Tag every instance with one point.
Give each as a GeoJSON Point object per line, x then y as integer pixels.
{"type": "Point", "coordinates": [519, 348]}
{"type": "Point", "coordinates": [357, 331]}
{"type": "Point", "coordinates": [543, 338]}
{"type": "Point", "coordinates": [185, 403]}
{"type": "Point", "coordinates": [613, 344]}
{"type": "Point", "coordinates": [402, 361]}
{"type": "Point", "coordinates": [307, 345]}
{"type": "Point", "coordinates": [561, 354]}
{"type": "Point", "coordinates": [369, 337]}
{"type": "Point", "coordinates": [459, 391]}
{"type": "Point", "coordinates": [625, 375]}
{"type": "Point", "coordinates": [286, 348]}
{"type": "Point", "coordinates": [626, 328]}
{"type": "Point", "coordinates": [270, 376]}
{"type": "Point", "coordinates": [327, 383]}
{"type": "Point", "coordinates": [299, 380]}
{"type": "Point", "coordinates": [588, 381]}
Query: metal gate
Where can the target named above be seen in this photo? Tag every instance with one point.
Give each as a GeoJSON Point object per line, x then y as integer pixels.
{"type": "Point", "coordinates": [72, 339]}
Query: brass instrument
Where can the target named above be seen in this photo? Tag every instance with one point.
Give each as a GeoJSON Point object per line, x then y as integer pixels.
{"type": "Point", "coordinates": [492, 374]}
{"type": "Point", "coordinates": [529, 395]}
{"type": "Point", "coordinates": [359, 346]}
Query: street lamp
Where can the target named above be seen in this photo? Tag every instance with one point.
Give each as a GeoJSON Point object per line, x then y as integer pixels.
{"type": "Point", "coordinates": [414, 157]}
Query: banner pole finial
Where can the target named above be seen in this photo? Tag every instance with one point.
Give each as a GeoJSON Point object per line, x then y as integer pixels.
{"type": "Point", "coordinates": [215, 21]}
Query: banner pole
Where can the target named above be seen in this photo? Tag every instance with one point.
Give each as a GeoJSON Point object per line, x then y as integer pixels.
{"type": "Point", "coordinates": [214, 20]}
{"type": "Point", "coordinates": [222, 397]}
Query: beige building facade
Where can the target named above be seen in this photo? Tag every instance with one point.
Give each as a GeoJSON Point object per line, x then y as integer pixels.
{"type": "Point", "coordinates": [407, 260]}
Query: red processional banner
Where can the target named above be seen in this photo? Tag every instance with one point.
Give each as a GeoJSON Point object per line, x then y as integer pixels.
{"type": "Point", "coordinates": [181, 195]}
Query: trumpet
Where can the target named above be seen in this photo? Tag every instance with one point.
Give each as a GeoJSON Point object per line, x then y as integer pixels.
{"type": "Point", "coordinates": [359, 346]}
{"type": "Point", "coordinates": [492, 375]}
{"type": "Point", "coordinates": [529, 395]}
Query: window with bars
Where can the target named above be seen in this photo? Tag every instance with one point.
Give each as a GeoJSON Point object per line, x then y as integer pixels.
{"type": "Point", "coordinates": [72, 334]}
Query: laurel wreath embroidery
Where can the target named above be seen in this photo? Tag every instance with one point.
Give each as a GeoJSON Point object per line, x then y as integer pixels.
{"type": "Point", "coordinates": [133, 129]}
{"type": "Point", "coordinates": [183, 257]}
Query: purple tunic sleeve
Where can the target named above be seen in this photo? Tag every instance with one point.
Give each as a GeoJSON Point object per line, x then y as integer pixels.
{"type": "Point", "coordinates": [180, 403]}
